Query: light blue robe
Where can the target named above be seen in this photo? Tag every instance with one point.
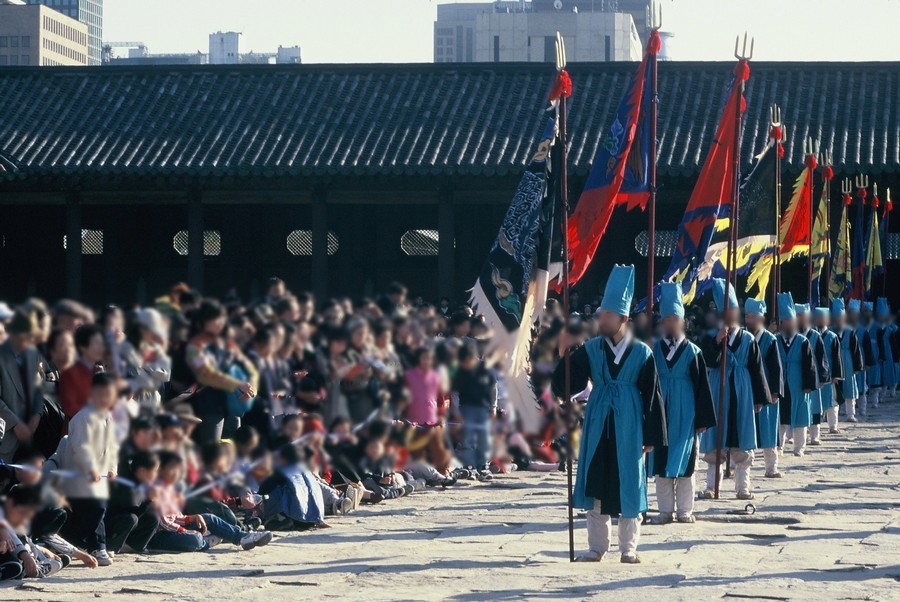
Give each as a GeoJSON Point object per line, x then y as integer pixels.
{"type": "Point", "coordinates": [736, 372]}
{"type": "Point", "coordinates": [862, 377]}
{"type": "Point", "coordinates": [622, 397]}
{"type": "Point", "coordinates": [873, 373]}
{"type": "Point", "coordinates": [850, 384]}
{"type": "Point", "coordinates": [888, 372]}
{"type": "Point", "coordinates": [678, 399]}
{"type": "Point", "coordinates": [815, 398]}
{"type": "Point", "coordinates": [767, 418]}
{"type": "Point", "coordinates": [829, 399]}
{"type": "Point", "coordinates": [801, 410]}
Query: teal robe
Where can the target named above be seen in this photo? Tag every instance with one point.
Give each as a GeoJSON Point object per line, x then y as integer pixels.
{"type": "Point", "coordinates": [799, 377]}
{"type": "Point", "coordinates": [851, 360]}
{"type": "Point", "coordinates": [833, 351]}
{"type": "Point", "coordinates": [767, 418]}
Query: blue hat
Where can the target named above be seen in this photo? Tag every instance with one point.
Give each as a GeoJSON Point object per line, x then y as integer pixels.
{"type": "Point", "coordinates": [853, 305]}
{"type": "Point", "coordinates": [670, 300]}
{"type": "Point", "coordinates": [881, 308]}
{"type": "Point", "coordinates": [820, 312]}
{"type": "Point", "coordinates": [786, 308]}
{"type": "Point", "coordinates": [619, 290]}
{"type": "Point", "coordinates": [837, 307]}
{"type": "Point", "coordinates": [868, 306]}
{"type": "Point", "coordinates": [755, 306]}
{"type": "Point", "coordinates": [719, 294]}
{"type": "Point", "coordinates": [802, 308]}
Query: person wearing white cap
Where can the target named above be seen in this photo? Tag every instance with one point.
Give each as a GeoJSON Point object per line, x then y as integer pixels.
{"type": "Point", "coordinates": [689, 409]}
{"type": "Point", "coordinates": [623, 421]}
{"type": "Point", "coordinates": [145, 364]}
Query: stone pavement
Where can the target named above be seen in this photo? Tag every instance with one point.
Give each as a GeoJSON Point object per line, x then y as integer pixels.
{"type": "Point", "coordinates": [830, 530]}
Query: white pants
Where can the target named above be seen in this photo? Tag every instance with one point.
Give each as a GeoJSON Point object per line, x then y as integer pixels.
{"type": "Point", "coordinates": [850, 407]}
{"type": "Point", "coordinates": [863, 403]}
{"type": "Point", "coordinates": [799, 434]}
{"type": "Point", "coordinates": [770, 454]}
{"type": "Point", "coordinates": [814, 433]}
{"type": "Point", "coordinates": [874, 396]}
{"type": "Point", "coordinates": [742, 461]}
{"type": "Point", "coordinates": [831, 414]}
{"type": "Point", "coordinates": [675, 494]}
{"type": "Point", "coordinates": [598, 528]}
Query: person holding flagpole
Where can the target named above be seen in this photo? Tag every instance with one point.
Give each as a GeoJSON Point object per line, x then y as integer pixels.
{"type": "Point", "coordinates": [689, 409]}
{"type": "Point", "coordinates": [623, 421]}
{"type": "Point", "coordinates": [830, 380]}
{"type": "Point", "coordinates": [821, 361]}
{"type": "Point", "coordinates": [884, 338]}
{"type": "Point", "coordinates": [746, 392]}
{"type": "Point", "coordinates": [799, 376]}
{"type": "Point", "coordinates": [767, 417]}
{"type": "Point", "coordinates": [854, 345]}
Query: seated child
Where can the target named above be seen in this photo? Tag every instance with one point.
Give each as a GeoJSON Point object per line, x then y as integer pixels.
{"type": "Point", "coordinates": [294, 494]}
{"type": "Point", "coordinates": [130, 517]}
{"type": "Point", "coordinates": [191, 533]}
{"type": "Point", "coordinates": [27, 559]}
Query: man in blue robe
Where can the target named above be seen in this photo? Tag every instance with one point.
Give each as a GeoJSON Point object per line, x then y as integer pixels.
{"type": "Point", "coordinates": [623, 421]}
{"type": "Point", "coordinates": [767, 418]}
{"type": "Point", "coordinates": [821, 360]}
{"type": "Point", "coordinates": [852, 363]}
{"type": "Point", "coordinates": [745, 393]}
{"type": "Point", "coordinates": [831, 379]}
{"type": "Point", "coordinates": [688, 405]}
{"type": "Point", "coordinates": [799, 376]}
{"type": "Point", "coordinates": [884, 339]}
{"type": "Point", "coordinates": [873, 359]}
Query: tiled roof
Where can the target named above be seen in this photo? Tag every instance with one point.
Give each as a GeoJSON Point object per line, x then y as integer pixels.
{"type": "Point", "coordinates": [474, 119]}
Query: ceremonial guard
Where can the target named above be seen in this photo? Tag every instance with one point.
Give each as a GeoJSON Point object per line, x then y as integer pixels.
{"type": "Point", "coordinates": [873, 359]}
{"type": "Point", "coordinates": [689, 410]}
{"type": "Point", "coordinates": [623, 421]}
{"type": "Point", "coordinates": [799, 376]}
{"type": "Point", "coordinates": [767, 418]}
{"type": "Point", "coordinates": [852, 363]}
{"type": "Point", "coordinates": [831, 378]}
{"type": "Point", "coordinates": [746, 392]}
{"type": "Point", "coordinates": [868, 360]}
{"type": "Point", "coordinates": [821, 361]}
{"type": "Point", "coordinates": [885, 338]}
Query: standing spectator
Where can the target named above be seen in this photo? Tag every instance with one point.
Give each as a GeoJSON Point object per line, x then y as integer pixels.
{"type": "Point", "coordinates": [75, 382]}
{"type": "Point", "coordinates": [476, 387]}
{"type": "Point", "coordinates": [21, 403]}
{"type": "Point", "coordinates": [144, 361]}
{"type": "Point", "coordinates": [426, 394]}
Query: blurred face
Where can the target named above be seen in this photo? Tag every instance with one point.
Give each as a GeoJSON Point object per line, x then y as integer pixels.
{"type": "Point", "coordinates": [358, 337]}
{"type": "Point", "coordinates": [173, 433]}
{"type": "Point", "coordinates": [838, 322]}
{"type": "Point", "coordinates": [3, 335]}
{"type": "Point", "coordinates": [145, 476]}
{"type": "Point", "coordinates": [24, 342]}
{"type": "Point", "coordinates": [18, 516]}
{"type": "Point", "coordinates": [63, 352]}
{"type": "Point", "coordinates": [426, 360]}
{"type": "Point", "coordinates": [171, 473]}
{"type": "Point", "coordinates": [375, 449]}
{"type": "Point", "coordinates": [610, 323]}
{"type": "Point", "coordinates": [789, 326]}
{"type": "Point", "coordinates": [32, 477]}
{"type": "Point", "coordinates": [95, 349]}
{"type": "Point", "coordinates": [334, 314]}
{"type": "Point", "coordinates": [753, 322]}
{"type": "Point", "coordinates": [70, 323]}
{"type": "Point", "coordinates": [803, 322]}
{"type": "Point", "coordinates": [293, 429]}
{"type": "Point", "coordinates": [104, 397]}
{"type": "Point", "coordinates": [277, 290]}
{"type": "Point", "coordinates": [732, 316]}
{"type": "Point", "coordinates": [337, 347]}
{"type": "Point", "coordinates": [383, 339]}
{"type": "Point", "coordinates": [305, 310]}
{"type": "Point", "coordinates": [215, 326]}
{"type": "Point", "coordinates": [145, 439]}
{"type": "Point", "coordinates": [673, 326]}
{"type": "Point", "coordinates": [821, 322]}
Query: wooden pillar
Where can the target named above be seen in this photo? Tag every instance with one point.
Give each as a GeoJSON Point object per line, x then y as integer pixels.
{"type": "Point", "coordinates": [320, 245]}
{"type": "Point", "coordinates": [73, 246]}
{"type": "Point", "coordinates": [446, 246]}
{"type": "Point", "coordinates": [195, 239]}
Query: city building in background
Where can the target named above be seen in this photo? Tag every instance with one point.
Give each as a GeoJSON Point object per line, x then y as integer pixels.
{"type": "Point", "coordinates": [525, 30]}
{"type": "Point", "coordinates": [225, 48]}
{"type": "Point", "coordinates": [89, 12]}
{"type": "Point", "coordinates": [37, 35]}
{"type": "Point", "coordinates": [288, 55]}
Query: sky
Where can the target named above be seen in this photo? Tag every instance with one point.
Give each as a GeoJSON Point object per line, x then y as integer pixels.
{"type": "Point", "coordinates": [392, 31]}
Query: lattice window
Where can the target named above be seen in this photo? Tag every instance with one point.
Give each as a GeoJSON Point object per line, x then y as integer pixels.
{"type": "Point", "coordinates": [300, 242]}
{"type": "Point", "coordinates": [893, 246]}
{"type": "Point", "coordinates": [212, 242]}
{"type": "Point", "coordinates": [666, 241]}
{"type": "Point", "coordinates": [91, 242]}
{"type": "Point", "coordinates": [416, 243]}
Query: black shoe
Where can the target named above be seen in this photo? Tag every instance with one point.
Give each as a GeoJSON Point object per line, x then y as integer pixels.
{"type": "Point", "coordinates": [66, 560]}
{"type": "Point", "coordinates": [407, 489]}
{"type": "Point", "coordinates": [11, 570]}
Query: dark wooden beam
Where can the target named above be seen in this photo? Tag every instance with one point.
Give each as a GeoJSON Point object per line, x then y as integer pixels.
{"type": "Point", "coordinates": [446, 245]}
{"type": "Point", "coordinates": [195, 239]}
{"type": "Point", "coordinates": [73, 246]}
{"type": "Point", "coordinates": [320, 245]}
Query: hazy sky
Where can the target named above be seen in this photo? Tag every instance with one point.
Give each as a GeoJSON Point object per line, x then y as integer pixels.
{"type": "Point", "coordinates": [366, 31]}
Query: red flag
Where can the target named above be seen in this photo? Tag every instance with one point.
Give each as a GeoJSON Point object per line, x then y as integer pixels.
{"type": "Point", "coordinates": [795, 234]}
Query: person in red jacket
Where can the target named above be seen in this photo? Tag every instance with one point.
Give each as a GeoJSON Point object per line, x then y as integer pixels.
{"type": "Point", "coordinates": [75, 382]}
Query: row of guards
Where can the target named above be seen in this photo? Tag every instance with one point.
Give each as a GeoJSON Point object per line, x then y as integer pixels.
{"type": "Point", "coordinates": [539, 230]}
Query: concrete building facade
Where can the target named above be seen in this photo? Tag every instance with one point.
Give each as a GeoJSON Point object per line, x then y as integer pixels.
{"type": "Point", "coordinates": [225, 48]}
{"type": "Point", "coordinates": [37, 35]}
{"type": "Point", "coordinates": [89, 12]}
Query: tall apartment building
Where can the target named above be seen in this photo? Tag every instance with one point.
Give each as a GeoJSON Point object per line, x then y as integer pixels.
{"type": "Point", "coordinates": [89, 12]}
{"type": "Point", "coordinates": [37, 35]}
{"type": "Point", "coordinates": [525, 30]}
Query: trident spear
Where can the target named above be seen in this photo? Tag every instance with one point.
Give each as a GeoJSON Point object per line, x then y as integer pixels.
{"type": "Point", "coordinates": [654, 22]}
{"type": "Point", "coordinates": [811, 149]}
{"type": "Point", "coordinates": [778, 135]}
{"type": "Point", "coordinates": [827, 175]}
{"type": "Point", "coordinates": [886, 216]}
{"type": "Point", "coordinates": [730, 258]}
{"type": "Point", "coordinates": [564, 199]}
{"type": "Point", "coordinates": [862, 183]}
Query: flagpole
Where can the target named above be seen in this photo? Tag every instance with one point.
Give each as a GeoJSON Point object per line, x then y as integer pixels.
{"type": "Point", "coordinates": [654, 22]}
{"type": "Point", "coordinates": [811, 163]}
{"type": "Point", "coordinates": [567, 355]}
{"type": "Point", "coordinates": [888, 206]}
{"type": "Point", "coordinates": [743, 57]}
{"type": "Point", "coordinates": [827, 174]}
{"type": "Point", "coordinates": [778, 135]}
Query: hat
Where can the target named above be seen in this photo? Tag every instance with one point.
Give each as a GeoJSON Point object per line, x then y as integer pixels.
{"type": "Point", "coordinates": [881, 308]}
{"type": "Point", "coordinates": [5, 312]}
{"type": "Point", "coordinates": [152, 320]}
{"type": "Point", "coordinates": [185, 413]}
{"type": "Point", "coordinates": [23, 324]}
{"type": "Point", "coordinates": [619, 290]}
{"type": "Point", "coordinates": [166, 420]}
{"type": "Point", "coordinates": [868, 306]}
{"type": "Point", "coordinates": [853, 306]}
{"type": "Point", "coordinates": [837, 307]}
{"type": "Point", "coordinates": [802, 308]}
{"type": "Point", "coordinates": [820, 312]}
{"type": "Point", "coordinates": [786, 307]}
{"type": "Point", "coordinates": [719, 294]}
{"type": "Point", "coordinates": [670, 300]}
{"type": "Point", "coordinates": [755, 307]}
